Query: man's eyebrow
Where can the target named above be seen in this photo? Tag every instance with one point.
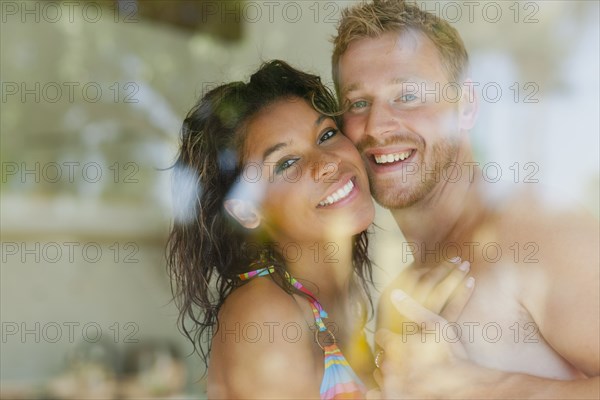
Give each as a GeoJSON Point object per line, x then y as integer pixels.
{"type": "Point", "coordinates": [395, 81]}
{"type": "Point", "coordinates": [351, 87]}
{"type": "Point", "coordinates": [281, 145]}
{"type": "Point", "coordinates": [405, 80]}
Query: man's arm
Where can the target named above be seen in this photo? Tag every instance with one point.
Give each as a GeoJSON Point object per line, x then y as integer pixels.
{"type": "Point", "coordinates": [562, 290]}
{"type": "Point", "coordinates": [511, 385]}
{"type": "Point", "coordinates": [414, 367]}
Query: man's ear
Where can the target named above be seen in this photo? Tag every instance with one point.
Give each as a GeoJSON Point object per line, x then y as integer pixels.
{"type": "Point", "coordinates": [469, 105]}
{"type": "Point", "coordinates": [244, 212]}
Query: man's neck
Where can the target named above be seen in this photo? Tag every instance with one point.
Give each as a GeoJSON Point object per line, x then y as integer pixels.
{"type": "Point", "coordinates": [447, 215]}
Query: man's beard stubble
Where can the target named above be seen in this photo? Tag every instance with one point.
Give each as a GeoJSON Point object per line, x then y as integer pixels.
{"type": "Point", "coordinates": [400, 191]}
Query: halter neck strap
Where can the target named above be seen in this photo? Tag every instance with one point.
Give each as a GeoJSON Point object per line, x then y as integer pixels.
{"type": "Point", "coordinates": [316, 307]}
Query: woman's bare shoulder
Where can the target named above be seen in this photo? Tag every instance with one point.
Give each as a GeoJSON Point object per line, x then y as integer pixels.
{"type": "Point", "coordinates": [262, 336]}
{"type": "Point", "coordinates": [261, 301]}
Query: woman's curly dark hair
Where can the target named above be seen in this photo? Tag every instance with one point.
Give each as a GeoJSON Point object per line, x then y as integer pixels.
{"type": "Point", "coordinates": [206, 249]}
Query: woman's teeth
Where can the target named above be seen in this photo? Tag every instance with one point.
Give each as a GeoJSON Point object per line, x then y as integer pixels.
{"type": "Point", "coordinates": [338, 194]}
{"type": "Point", "coordinates": [388, 158]}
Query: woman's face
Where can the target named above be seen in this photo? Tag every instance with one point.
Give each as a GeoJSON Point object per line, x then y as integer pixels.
{"type": "Point", "coordinates": [308, 179]}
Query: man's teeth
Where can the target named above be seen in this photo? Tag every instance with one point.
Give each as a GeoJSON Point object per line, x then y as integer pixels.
{"type": "Point", "coordinates": [393, 157]}
{"type": "Point", "coordinates": [338, 194]}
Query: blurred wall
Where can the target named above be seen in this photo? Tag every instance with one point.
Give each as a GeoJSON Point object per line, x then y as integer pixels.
{"type": "Point", "coordinates": [90, 111]}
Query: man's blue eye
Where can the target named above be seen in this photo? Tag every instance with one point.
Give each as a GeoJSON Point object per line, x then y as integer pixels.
{"type": "Point", "coordinates": [408, 97]}
{"type": "Point", "coordinates": [359, 104]}
{"type": "Point", "coordinates": [328, 135]}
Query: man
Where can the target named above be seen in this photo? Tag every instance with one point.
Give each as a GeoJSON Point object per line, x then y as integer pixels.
{"type": "Point", "coordinates": [531, 327]}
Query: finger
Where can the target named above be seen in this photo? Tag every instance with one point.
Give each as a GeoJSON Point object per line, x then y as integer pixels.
{"type": "Point", "coordinates": [439, 296]}
{"type": "Point", "coordinates": [391, 344]}
{"type": "Point", "coordinates": [409, 276]}
{"type": "Point", "coordinates": [429, 280]}
{"type": "Point", "coordinates": [387, 316]}
{"type": "Point", "coordinates": [419, 315]}
{"type": "Point", "coordinates": [459, 300]}
{"type": "Point", "coordinates": [383, 337]}
{"type": "Point", "coordinates": [378, 377]}
{"type": "Point", "coordinates": [413, 311]}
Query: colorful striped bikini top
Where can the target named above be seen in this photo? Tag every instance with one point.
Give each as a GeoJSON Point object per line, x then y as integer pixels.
{"type": "Point", "coordinates": [339, 380]}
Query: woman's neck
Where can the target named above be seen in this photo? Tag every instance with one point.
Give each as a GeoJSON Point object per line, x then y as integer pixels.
{"type": "Point", "coordinates": [326, 263]}
{"type": "Point", "coordinates": [325, 268]}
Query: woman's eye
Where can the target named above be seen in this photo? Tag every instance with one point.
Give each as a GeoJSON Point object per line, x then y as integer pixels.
{"type": "Point", "coordinates": [285, 164]}
{"type": "Point", "coordinates": [328, 135]}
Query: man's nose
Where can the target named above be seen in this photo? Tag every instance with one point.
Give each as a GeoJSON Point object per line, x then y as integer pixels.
{"type": "Point", "coordinates": [381, 120]}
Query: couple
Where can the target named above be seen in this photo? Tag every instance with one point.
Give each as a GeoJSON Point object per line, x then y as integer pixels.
{"type": "Point", "coordinates": [271, 260]}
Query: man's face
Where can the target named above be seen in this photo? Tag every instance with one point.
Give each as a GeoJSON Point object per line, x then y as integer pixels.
{"type": "Point", "coordinates": [403, 115]}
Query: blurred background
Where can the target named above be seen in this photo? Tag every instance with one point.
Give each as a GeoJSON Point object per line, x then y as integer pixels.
{"type": "Point", "coordinates": [93, 96]}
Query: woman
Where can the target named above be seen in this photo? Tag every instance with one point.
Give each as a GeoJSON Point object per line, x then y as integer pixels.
{"type": "Point", "coordinates": [277, 224]}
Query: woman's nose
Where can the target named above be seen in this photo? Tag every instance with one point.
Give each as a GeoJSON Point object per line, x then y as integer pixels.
{"type": "Point", "coordinates": [326, 166]}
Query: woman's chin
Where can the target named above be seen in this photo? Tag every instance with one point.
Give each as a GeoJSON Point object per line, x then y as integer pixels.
{"type": "Point", "coordinates": [350, 225]}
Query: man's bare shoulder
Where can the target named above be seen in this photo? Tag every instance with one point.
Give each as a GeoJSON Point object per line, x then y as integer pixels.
{"type": "Point", "coordinates": [543, 243]}
{"type": "Point", "coordinates": [551, 249]}
{"type": "Point", "coordinates": [533, 217]}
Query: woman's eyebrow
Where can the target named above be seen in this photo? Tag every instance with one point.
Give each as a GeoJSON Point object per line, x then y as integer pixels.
{"type": "Point", "coordinates": [281, 145]}
{"type": "Point", "coordinates": [320, 119]}
{"type": "Point", "coordinates": [273, 149]}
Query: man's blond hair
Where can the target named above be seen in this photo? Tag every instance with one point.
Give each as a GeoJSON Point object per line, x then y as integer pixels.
{"type": "Point", "coordinates": [375, 18]}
